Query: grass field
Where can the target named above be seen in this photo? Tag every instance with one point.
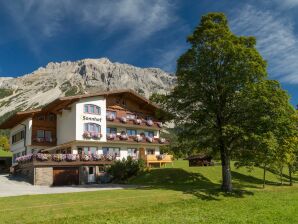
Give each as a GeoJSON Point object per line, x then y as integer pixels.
{"type": "Point", "coordinates": [176, 195]}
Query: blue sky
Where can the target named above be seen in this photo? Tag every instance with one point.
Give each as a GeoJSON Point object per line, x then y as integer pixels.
{"type": "Point", "coordinates": [140, 32]}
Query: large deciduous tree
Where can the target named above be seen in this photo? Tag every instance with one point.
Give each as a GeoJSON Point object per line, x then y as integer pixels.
{"type": "Point", "coordinates": [212, 77]}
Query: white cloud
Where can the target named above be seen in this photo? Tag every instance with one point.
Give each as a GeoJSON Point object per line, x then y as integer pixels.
{"type": "Point", "coordinates": [276, 40]}
{"type": "Point", "coordinates": [287, 3]}
{"type": "Point", "coordinates": [40, 20]}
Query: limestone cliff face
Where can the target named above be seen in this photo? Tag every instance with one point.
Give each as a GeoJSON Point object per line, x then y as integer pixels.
{"type": "Point", "coordinates": [85, 76]}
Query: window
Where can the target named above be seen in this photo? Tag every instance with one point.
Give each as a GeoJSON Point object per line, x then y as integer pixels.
{"type": "Point", "coordinates": [41, 117]}
{"type": "Point", "coordinates": [48, 136]}
{"type": "Point", "coordinates": [149, 134]}
{"type": "Point", "coordinates": [91, 109]}
{"type": "Point", "coordinates": [131, 132]}
{"type": "Point", "coordinates": [111, 151]}
{"type": "Point", "coordinates": [150, 151]}
{"type": "Point", "coordinates": [130, 116]}
{"type": "Point", "coordinates": [18, 136]}
{"type": "Point", "coordinates": [40, 134]}
{"type": "Point", "coordinates": [92, 127]}
{"type": "Point", "coordinates": [112, 113]}
{"type": "Point", "coordinates": [111, 130]}
{"type": "Point", "coordinates": [87, 150]}
{"type": "Point", "coordinates": [51, 117]}
{"type": "Point", "coordinates": [132, 152]}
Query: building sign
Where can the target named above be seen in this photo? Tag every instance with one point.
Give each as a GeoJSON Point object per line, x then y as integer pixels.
{"type": "Point", "coordinates": [85, 118]}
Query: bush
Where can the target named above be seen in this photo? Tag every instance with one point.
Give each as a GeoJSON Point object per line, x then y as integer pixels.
{"type": "Point", "coordinates": [123, 169]}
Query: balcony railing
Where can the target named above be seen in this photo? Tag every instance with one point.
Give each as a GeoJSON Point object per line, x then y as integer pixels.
{"type": "Point", "coordinates": [137, 121]}
{"type": "Point", "coordinates": [42, 157]}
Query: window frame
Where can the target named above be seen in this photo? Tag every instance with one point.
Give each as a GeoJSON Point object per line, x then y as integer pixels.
{"type": "Point", "coordinates": [112, 112]}
{"type": "Point", "coordinates": [111, 128]}
{"type": "Point", "coordinates": [94, 125]}
{"type": "Point", "coordinates": [92, 109]}
{"type": "Point", "coordinates": [129, 130]}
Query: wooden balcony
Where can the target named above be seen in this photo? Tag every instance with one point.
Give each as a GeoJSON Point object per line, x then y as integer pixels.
{"type": "Point", "coordinates": [160, 160]}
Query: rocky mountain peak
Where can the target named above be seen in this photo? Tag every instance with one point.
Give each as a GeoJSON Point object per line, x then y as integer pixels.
{"type": "Point", "coordinates": [83, 76]}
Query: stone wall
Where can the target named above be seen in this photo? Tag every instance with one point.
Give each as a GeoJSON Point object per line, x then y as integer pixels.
{"type": "Point", "coordinates": [27, 172]}
{"type": "Point", "coordinates": [43, 176]}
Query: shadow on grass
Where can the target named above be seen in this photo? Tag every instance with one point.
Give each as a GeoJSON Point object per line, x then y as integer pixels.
{"type": "Point", "coordinates": [187, 182]}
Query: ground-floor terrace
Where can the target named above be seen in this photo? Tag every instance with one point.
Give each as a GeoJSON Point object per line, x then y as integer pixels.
{"type": "Point", "coordinates": [83, 162]}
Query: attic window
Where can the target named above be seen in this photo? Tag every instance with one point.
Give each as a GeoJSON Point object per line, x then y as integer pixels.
{"type": "Point", "coordinates": [41, 117]}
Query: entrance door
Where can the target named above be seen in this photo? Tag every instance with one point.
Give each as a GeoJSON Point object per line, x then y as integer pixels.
{"type": "Point", "coordinates": [142, 153]}
{"type": "Point", "coordinates": [91, 174]}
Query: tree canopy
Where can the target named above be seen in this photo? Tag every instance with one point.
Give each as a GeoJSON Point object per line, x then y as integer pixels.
{"type": "Point", "coordinates": [223, 100]}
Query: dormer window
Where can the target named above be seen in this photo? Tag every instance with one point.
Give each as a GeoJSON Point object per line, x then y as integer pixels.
{"type": "Point", "coordinates": [91, 109]}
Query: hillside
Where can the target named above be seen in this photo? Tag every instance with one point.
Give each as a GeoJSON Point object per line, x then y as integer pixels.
{"type": "Point", "coordinates": [70, 78]}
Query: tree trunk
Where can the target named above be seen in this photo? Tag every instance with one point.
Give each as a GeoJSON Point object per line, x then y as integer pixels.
{"type": "Point", "coordinates": [281, 176]}
{"type": "Point", "coordinates": [226, 171]}
{"type": "Point", "coordinates": [264, 176]}
{"type": "Point", "coordinates": [290, 175]}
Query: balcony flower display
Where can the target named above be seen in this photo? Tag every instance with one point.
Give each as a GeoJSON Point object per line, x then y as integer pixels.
{"type": "Point", "coordinates": [110, 117]}
{"type": "Point", "coordinates": [123, 119]}
{"type": "Point", "coordinates": [137, 121]}
{"type": "Point", "coordinates": [123, 136]}
{"type": "Point", "coordinates": [162, 140]}
{"type": "Point", "coordinates": [86, 134]}
{"type": "Point", "coordinates": [85, 157]}
{"type": "Point", "coordinates": [149, 139]}
{"type": "Point", "coordinates": [159, 124]}
{"type": "Point", "coordinates": [138, 138]}
{"type": "Point", "coordinates": [96, 157]}
{"type": "Point", "coordinates": [111, 136]}
{"type": "Point", "coordinates": [96, 135]}
{"type": "Point", "coordinates": [58, 157]}
{"type": "Point", "coordinates": [71, 157]}
{"type": "Point", "coordinates": [25, 158]}
{"type": "Point", "coordinates": [42, 157]}
{"type": "Point", "coordinates": [149, 122]}
{"type": "Point", "coordinates": [109, 157]}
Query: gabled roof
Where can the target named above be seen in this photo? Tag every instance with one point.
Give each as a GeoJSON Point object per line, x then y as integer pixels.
{"type": "Point", "coordinates": [63, 102]}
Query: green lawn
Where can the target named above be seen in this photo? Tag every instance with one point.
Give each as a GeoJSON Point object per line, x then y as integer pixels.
{"type": "Point", "coordinates": [176, 195]}
{"type": "Point", "coordinates": [5, 153]}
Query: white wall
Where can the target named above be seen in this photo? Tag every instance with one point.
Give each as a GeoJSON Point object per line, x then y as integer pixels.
{"type": "Point", "coordinates": [66, 125]}
{"type": "Point", "coordinates": [98, 101]}
{"type": "Point", "coordinates": [19, 146]}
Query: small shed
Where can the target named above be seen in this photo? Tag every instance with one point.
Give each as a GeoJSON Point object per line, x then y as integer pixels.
{"type": "Point", "coordinates": [200, 160]}
{"type": "Point", "coordinates": [5, 161]}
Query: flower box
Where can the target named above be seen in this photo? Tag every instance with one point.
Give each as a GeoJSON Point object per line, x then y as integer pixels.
{"type": "Point", "coordinates": [96, 157]}
{"type": "Point", "coordinates": [58, 157]}
{"type": "Point", "coordinates": [149, 139]}
{"type": "Point", "coordinates": [138, 138]}
{"type": "Point", "coordinates": [110, 117]}
{"type": "Point", "coordinates": [25, 158]}
{"type": "Point", "coordinates": [159, 124]}
{"type": "Point", "coordinates": [85, 157]}
{"type": "Point", "coordinates": [42, 157]}
{"type": "Point", "coordinates": [123, 137]}
{"type": "Point", "coordinates": [96, 135]}
{"type": "Point", "coordinates": [71, 157]}
{"type": "Point", "coordinates": [123, 119]}
{"type": "Point", "coordinates": [111, 136]}
{"type": "Point", "coordinates": [137, 121]}
{"type": "Point", "coordinates": [149, 122]}
{"type": "Point", "coordinates": [86, 134]}
{"type": "Point", "coordinates": [162, 140]}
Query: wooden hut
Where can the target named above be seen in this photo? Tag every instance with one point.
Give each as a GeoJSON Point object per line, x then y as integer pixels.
{"type": "Point", "coordinates": [200, 160]}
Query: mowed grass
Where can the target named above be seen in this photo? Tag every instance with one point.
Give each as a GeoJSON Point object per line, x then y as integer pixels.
{"type": "Point", "coordinates": [177, 194]}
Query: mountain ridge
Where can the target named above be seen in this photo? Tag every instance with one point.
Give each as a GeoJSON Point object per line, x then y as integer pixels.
{"type": "Point", "coordinates": [66, 78]}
